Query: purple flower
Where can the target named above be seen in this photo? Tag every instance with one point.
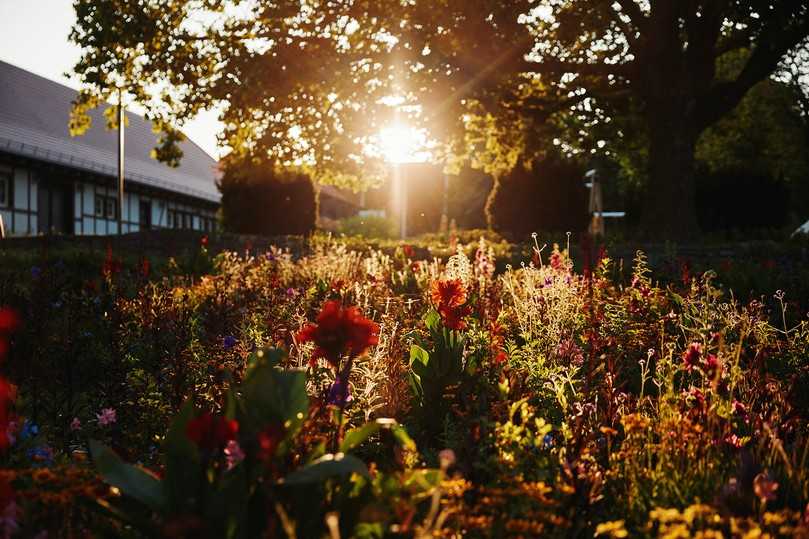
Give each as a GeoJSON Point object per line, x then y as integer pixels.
{"type": "Point", "coordinates": [36, 272]}
{"type": "Point", "coordinates": [291, 292]}
{"type": "Point", "coordinates": [229, 342]}
{"type": "Point", "coordinates": [339, 393]}
{"type": "Point", "coordinates": [8, 519]}
{"type": "Point", "coordinates": [75, 424]}
{"type": "Point", "coordinates": [29, 430]}
{"type": "Point", "coordinates": [106, 417]}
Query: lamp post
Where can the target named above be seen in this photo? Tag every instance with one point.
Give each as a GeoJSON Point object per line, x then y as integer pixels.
{"type": "Point", "coordinates": [401, 187]}
{"type": "Point", "coordinates": [120, 162]}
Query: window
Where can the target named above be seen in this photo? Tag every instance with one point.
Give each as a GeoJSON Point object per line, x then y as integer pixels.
{"type": "Point", "coordinates": [171, 218]}
{"type": "Point", "coordinates": [110, 207]}
{"type": "Point", "coordinates": [99, 206]}
{"type": "Point", "coordinates": [5, 190]}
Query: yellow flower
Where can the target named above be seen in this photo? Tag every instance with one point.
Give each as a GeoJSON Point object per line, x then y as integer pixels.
{"type": "Point", "coordinates": [613, 528]}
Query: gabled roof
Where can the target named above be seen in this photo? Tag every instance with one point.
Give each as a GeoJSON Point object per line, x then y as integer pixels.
{"type": "Point", "coordinates": [34, 113]}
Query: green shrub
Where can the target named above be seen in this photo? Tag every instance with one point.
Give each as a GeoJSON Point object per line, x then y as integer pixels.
{"type": "Point", "coordinates": [550, 197]}
{"type": "Point", "coordinates": [263, 200]}
{"type": "Point", "coordinates": [368, 226]}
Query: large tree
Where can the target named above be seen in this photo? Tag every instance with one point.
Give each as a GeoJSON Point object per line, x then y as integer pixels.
{"type": "Point", "coordinates": [310, 83]}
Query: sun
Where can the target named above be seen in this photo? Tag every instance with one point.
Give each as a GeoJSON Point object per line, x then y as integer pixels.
{"type": "Point", "coordinates": [403, 144]}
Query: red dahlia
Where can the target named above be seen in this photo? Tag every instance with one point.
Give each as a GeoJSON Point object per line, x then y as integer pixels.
{"type": "Point", "coordinates": [339, 331]}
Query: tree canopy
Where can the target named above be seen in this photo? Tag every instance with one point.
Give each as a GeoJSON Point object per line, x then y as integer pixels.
{"type": "Point", "coordinates": [312, 83]}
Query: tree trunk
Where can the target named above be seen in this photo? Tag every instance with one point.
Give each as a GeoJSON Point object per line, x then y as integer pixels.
{"type": "Point", "coordinates": [669, 212]}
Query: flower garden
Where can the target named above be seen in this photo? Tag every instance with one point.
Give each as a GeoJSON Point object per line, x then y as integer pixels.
{"type": "Point", "coordinates": [349, 391]}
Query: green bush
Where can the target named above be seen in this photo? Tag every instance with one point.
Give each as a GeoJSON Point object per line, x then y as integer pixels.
{"type": "Point", "coordinates": [550, 197]}
{"type": "Point", "coordinates": [263, 200]}
{"type": "Point", "coordinates": [368, 226]}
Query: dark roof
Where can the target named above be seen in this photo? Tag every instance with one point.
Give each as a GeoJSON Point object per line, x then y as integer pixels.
{"type": "Point", "coordinates": [34, 113]}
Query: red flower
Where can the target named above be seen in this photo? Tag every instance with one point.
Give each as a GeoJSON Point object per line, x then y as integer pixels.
{"type": "Point", "coordinates": [691, 356]}
{"type": "Point", "coordinates": [339, 331]}
{"type": "Point", "coordinates": [211, 432]}
{"type": "Point", "coordinates": [110, 266]}
{"type": "Point", "coordinates": [449, 297]}
{"type": "Point", "coordinates": [8, 394]}
{"type": "Point", "coordinates": [145, 267]}
{"type": "Point", "coordinates": [9, 322]}
{"type": "Point", "coordinates": [269, 439]}
{"type": "Point", "coordinates": [453, 317]}
{"type": "Point", "coordinates": [408, 251]}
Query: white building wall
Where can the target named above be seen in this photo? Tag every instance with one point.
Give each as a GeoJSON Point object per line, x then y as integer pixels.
{"type": "Point", "coordinates": [21, 217]}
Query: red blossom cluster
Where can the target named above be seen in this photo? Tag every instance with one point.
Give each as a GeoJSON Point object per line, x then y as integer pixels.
{"type": "Point", "coordinates": [9, 322]}
{"type": "Point", "coordinates": [449, 298]}
{"type": "Point", "coordinates": [339, 332]}
{"type": "Point", "coordinates": [693, 357]}
{"type": "Point", "coordinates": [210, 432]}
{"type": "Point", "coordinates": [269, 439]}
{"type": "Point", "coordinates": [111, 265]}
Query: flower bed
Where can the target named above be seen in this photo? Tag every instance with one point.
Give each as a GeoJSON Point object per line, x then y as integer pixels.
{"type": "Point", "coordinates": [355, 392]}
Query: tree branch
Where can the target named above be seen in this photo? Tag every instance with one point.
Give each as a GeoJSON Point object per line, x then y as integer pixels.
{"type": "Point", "coordinates": [632, 9]}
{"type": "Point", "coordinates": [723, 97]}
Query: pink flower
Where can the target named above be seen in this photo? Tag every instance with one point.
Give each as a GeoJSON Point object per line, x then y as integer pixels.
{"type": "Point", "coordinates": [446, 458]}
{"type": "Point", "coordinates": [76, 423]}
{"type": "Point", "coordinates": [233, 454]}
{"type": "Point", "coordinates": [106, 417]}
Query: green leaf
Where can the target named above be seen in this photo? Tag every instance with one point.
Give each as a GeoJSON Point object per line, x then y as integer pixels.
{"type": "Point", "coordinates": [355, 437]}
{"type": "Point", "coordinates": [182, 460]}
{"type": "Point", "coordinates": [432, 320]}
{"type": "Point", "coordinates": [401, 435]}
{"type": "Point", "coordinates": [133, 481]}
{"type": "Point", "coordinates": [271, 394]}
{"type": "Point", "coordinates": [326, 467]}
{"type": "Point", "coordinates": [423, 480]}
{"type": "Point", "coordinates": [418, 355]}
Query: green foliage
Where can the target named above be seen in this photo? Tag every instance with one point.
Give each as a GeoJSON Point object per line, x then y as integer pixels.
{"type": "Point", "coordinates": [566, 404]}
{"type": "Point", "coordinates": [436, 365]}
{"type": "Point", "coordinates": [367, 226]}
{"type": "Point", "coordinates": [494, 82]}
{"type": "Point", "coordinates": [548, 197]}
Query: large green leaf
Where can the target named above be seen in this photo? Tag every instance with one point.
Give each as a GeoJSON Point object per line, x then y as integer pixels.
{"type": "Point", "coordinates": [182, 460]}
{"type": "Point", "coordinates": [326, 467]}
{"type": "Point", "coordinates": [404, 439]}
{"type": "Point", "coordinates": [133, 481]}
{"type": "Point", "coordinates": [355, 437]}
{"type": "Point", "coordinates": [271, 395]}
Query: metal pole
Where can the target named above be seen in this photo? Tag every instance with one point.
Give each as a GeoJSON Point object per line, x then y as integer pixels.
{"type": "Point", "coordinates": [120, 162]}
{"type": "Point", "coordinates": [445, 206]}
{"type": "Point", "coordinates": [397, 172]}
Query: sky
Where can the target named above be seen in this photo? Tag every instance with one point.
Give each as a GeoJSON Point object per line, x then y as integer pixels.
{"type": "Point", "coordinates": [34, 36]}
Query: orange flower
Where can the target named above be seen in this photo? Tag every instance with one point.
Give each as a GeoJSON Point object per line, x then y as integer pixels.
{"type": "Point", "coordinates": [448, 293]}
